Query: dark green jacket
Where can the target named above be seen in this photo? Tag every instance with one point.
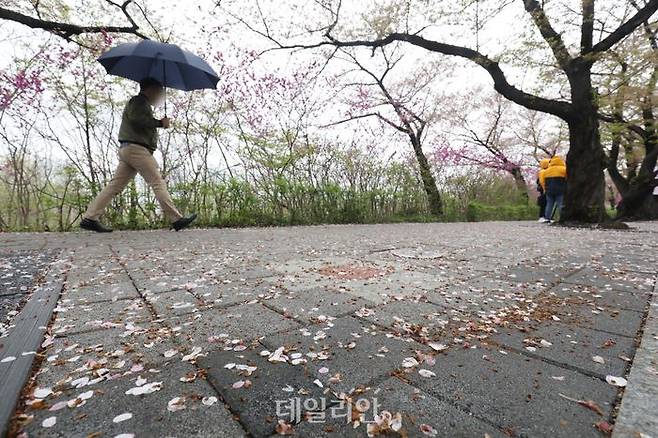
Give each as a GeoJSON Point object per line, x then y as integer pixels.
{"type": "Point", "coordinates": [138, 124]}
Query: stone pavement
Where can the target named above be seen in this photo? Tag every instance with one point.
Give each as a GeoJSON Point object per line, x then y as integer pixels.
{"type": "Point", "coordinates": [445, 330]}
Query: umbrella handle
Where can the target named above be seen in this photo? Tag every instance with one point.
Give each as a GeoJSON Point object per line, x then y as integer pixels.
{"type": "Point", "coordinates": [164, 74]}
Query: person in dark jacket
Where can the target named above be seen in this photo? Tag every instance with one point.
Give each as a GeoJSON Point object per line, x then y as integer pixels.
{"type": "Point", "coordinates": [138, 139]}
{"type": "Point", "coordinates": [541, 199]}
{"type": "Point", "coordinates": [555, 183]}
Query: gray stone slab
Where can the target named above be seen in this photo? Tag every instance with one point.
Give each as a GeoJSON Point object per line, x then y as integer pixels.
{"type": "Point", "coordinates": [231, 292]}
{"type": "Point", "coordinates": [482, 296]}
{"type": "Point", "coordinates": [614, 280]}
{"type": "Point", "coordinates": [95, 275]}
{"type": "Point", "coordinates": [244, 322]}
{"type": "Point", "coordinates": [314, 305]}
{"type": "Point", "coordinates": [101, 292]}
{"type": "Point", "coordinates": [163, 283]}
{"type": "Point", "coordinates": [80, 317]}
{"type": "Point", "coordinates": [517, 393]}
{"type": "Point", "coordinates": [422, 415]}
{"type": "Point", "coordinates": [116, 349]}
{"type": "Point", "coordinates": [356, 352]}
{"type": "Point", "coordinates": [564, 263]}
{"type": "Point", "coordinates": [150, 414]}
{"type": "Point", "coordinates": [601, 297]}
{"type": "Point", "coordinates": [417, 318]}
{"type": "Point", "coordinates": [21, 269]}
{"type": "Point", "coordinates": [488, 283]}
{"type": "Point", "coordinates": [571, 346]}
{"type": "Point", "coordinates": [10, 304]}
{"type": "Point", "coordinates": [617, 321]}
{"type": "Point", "coordinates": [274, 389]}
{"type": "Point", "coordinates": [529, 274]}
{"type": "Point", "coordinates": [175, 302]}
{"type": "Point", "coordinates": [639, 262]}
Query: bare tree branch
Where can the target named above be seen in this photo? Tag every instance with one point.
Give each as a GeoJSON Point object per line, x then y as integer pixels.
{"type": "Point", "coordinates": [549, 34]}
{"type": "Point", "coordinates": [625, 29]}
{"type": "Point", "coordinates": [67, 30]}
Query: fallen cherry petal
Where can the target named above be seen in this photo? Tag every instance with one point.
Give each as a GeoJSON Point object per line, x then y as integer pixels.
{"type": "Point", "coordinates": [49, 422]}
{"type": "Point", "coordinates": [122, 417]}
{"type": "Point", "coordinates": [283, 428]}
{"type": "Point", "coordinates": [176, 404]}
{"type": "Point", "coordinates": [209, 401]}
{"type": "Point", "coordinates": [598, 359]}
{"type": "Point", "coordinates": [616, 381]}
{"type": "Point", "coordinates": [42, 392]}
{"type": "Point", "coordinates": [57, 406]}
{"type": "Point", "coordinates": [426, 373]}
{"type": "Point", "coordinates": [428, 430]}
{"type": "Point", "coordinates": [604, 427]}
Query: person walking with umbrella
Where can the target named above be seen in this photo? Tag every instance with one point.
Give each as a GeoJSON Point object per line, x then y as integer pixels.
{"type": "Point", "coordinates": [138, 141]}
{"type": "Point", "coordinates": [155, 66]}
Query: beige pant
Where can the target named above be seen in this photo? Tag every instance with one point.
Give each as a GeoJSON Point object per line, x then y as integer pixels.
{"type": "Point", "coordinates": [134, 159]}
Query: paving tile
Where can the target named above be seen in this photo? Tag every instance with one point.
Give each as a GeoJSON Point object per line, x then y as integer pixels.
{"type": "Point", "coordinates": [229, 293]}
{"type": "Point", "coordinates": [244, 322]}
{"type": "Point", "coordinates": [116, 349]}
{"type": "Point", "coordinates": [639, 262]}
{"type": "Point", "coordinates": [482, 296]}
{"type": "Point", "coordinates": [175, 302]}
{"type": "Point", "coordinates": [614, 280]}
{"type": "Point", "coordinates": [274, 388]}
{"type": "Point", "coordinates": [617, 321]}
{"type": "Point", "coordinates": [517, 393]}
{"type": "Point", "coordinates": [412, 317]}
{"type": "Point", "coordinates": [571, 346]}
{"type": "Point", "coordinates": [150, 416]}
{"type": "Point", "coordinates": [347, 342]}
{"type": "Point", "coordinates": [101, 292]}
{"type": "Point", "coordinates": [417, 407]}
{"type": "Point", "coordinates": [318, 303]}
{"type": "Point", "coordinates": [302, 289]}
{"type": "Point", "coordinates": [602, 297]}
{"type": "Point", "coordinates": [79, 317]}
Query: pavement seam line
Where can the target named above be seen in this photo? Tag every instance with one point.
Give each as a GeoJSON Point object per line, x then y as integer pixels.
{"type": "Point", "coordinates": [164, 322]}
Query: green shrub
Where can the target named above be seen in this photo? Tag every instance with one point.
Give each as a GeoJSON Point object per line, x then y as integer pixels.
{"type": "Point", "coordinates": [477, 212]}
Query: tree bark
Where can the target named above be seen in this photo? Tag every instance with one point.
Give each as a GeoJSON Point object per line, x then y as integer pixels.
{"type": "Point", "coordinates": [520, 182]}
{"type": "Point", "coordinates": [586, 161]}
{"type": "Point", "coordinates": [585, 197]}
{"type": "Point", "coordinates": [429, 183]}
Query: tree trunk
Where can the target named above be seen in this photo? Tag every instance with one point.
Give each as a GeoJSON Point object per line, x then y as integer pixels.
{"type": "Point", "coordinates": [429, 183]}
{"type": "Point", "coordinates": [520, 182]}
{"type": "Point", "coordinates": [638, 201]}
{"type": "Point", "coordinates": [585, 197]}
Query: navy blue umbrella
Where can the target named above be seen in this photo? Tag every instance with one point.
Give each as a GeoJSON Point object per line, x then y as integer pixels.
{"type": "Point", "coordinates": [168, 63]}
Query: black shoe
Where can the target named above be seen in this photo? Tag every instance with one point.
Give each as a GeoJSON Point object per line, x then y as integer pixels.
{"type": "Point", "coordinates": [183, 222]}
{"type": "Point", "coordinates": [92, 225]}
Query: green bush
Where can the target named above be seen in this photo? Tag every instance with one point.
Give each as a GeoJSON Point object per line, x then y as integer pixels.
{"type": "Point", "coordinates": [477, 212]}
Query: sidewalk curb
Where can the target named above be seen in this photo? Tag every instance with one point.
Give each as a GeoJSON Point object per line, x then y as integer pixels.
{"type": "Point", "coordinates": [637, 417]}
{"type": "Point", "coordinates": [25, 339]}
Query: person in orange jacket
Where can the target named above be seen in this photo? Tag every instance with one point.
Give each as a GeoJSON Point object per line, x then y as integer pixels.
{"type": "Point", "coordinates": [555, 186]}
{"type": "Point", "coordinates": [541, 199]}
